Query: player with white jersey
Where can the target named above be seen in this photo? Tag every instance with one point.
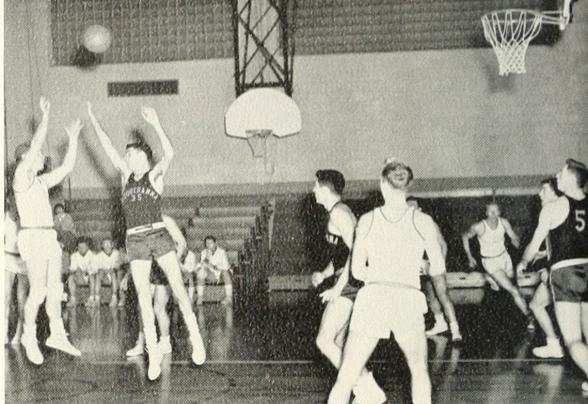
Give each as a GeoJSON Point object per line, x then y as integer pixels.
{"type": "Point", "coordinates": [37, 239]}
{"type": "Point", "coordinates": [15, 269]}
{"type": "Point", "coordinates": [388, 251]}
{"type": "Point", "coordinates": [495, 258]}
{"type": "Point", "coordinates": [107, 263]}
{"type": "Point", "coordinates": [566, 222]}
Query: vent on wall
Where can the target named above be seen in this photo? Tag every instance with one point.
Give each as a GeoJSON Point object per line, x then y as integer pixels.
{"type": "Point", "coordinates": [137, 88]}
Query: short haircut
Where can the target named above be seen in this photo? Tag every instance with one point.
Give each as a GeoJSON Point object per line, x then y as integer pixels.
{"type": "Point", "coordinates": [579, 170]}
{"type": "Point", "coordinates": [58, 205]}
{"type": "Point", "coordinates": [332, 179]}
{"type": "Point", "coordinates": [209, 238]}
{"type": "Point", "coordinates": [392, 165]}
{"type": "Point", "coordinates": [138, 142]}
{"type": "Point", "coordinates": [84, 240]}
{"type": "Point", "coordinates": [552, 182]}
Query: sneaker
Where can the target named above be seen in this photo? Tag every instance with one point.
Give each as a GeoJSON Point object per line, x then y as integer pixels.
{"type": "Point", "coordinates": [368, 391]}
{"type": "Point", "coordinates": [438, 328]}
{"type": "Point", "coordinates": [113, 302]}
{"type": "Point", "coordinates": [61, 343]}
{"type": "Point", "coordinates": [137, 350]}
{"type": "Point", "coordinates": [198, 350]}
{"type": "Point", "coordinates": [155, 358]}
{"type": "Point", "coordinates": [165, 346]}
{"type": "Point", "coordinates": [32, 350]}
{"type": "Point", "coordinates": [549, 351]}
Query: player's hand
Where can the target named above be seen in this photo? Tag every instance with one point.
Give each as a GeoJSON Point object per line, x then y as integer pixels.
{"type": "Point", "coordinates": [472, 263]}
{"type": "Point", "coordinates": [544, 275]}
{"type": "Point", "coordinates": [540, 255]}
{"type": "Point", "coordinates": [150, 115]}
{"type": "Point", "coordinates": [317, 279]}
{"type": "Point", "coordinates": [45, 105]}
{"type": "Point", "coordinates": [74, 129]}
{"type": "Point", "coordinates": [330, 294]}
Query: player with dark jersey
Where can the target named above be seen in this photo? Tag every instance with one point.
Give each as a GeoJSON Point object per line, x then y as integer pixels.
{"type": "Point", "coordinates": [147, 236]}
{"type": "Point", "coordinates": [565, 221]}
{"type": "Point", "coordinates": [340, 295]}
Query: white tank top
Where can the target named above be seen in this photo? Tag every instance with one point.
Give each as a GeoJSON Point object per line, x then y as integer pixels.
{"type": "Point", "coordinates": [492, 241]}
{"type": "Point", "coordinates": [10, 235]}
{"type": "Point", "coordinates": [33, 205]}
{"type": "Point", "coordinates": [395, 250]}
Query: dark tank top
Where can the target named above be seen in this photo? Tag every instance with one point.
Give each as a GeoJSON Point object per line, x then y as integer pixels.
{"type": "Point", "coordinates": [570, 239]}
{"type": "Point", "coordinates": [141, 203]}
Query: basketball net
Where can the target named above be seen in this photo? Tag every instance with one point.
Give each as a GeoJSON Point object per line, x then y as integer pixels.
{"type": "Point", "coordinates": [259, 142]}
{"type": "Point", "coordinates": [511, 31]}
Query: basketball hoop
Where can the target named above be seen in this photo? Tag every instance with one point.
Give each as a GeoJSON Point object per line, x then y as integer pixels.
{"type": "Point", "coordinates": [257, 139]}
{"type": "Point", "coordinates": [510, 32]}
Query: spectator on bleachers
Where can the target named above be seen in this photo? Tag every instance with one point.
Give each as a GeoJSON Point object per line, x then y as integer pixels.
{"type": "Point", "coordinates": [65, 227]}
{"type": "Point", "coordinates": [122, 277]}
{"type": "Point", "coordinates": [107, 264]}
{"type": "Point", "coordinates": [213, 266]}
{"type": "Point", "coordinates": [81, 271]}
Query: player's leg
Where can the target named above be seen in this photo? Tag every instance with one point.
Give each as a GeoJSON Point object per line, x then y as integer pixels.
{"type": "Point", "coordinates": [171, 267]}
{"type": "Point", "coordinates": [333, 323]}
{"type": "Point", "coordinates": [100, 275]}
{"type": "Point", "coordinates": [541, 299]}
{"type": "Point", "coordinates": [8, 283]}
{"type": "Point", "coordinates": [504, 282]}
{"type": "Point", "coordinates": [37, 272]}
{"type": "Point", "coordinates": [201, 275]}
{"type": "Point", "coordinates": [22, 291]}
{"type": "Point", "coordinates": [140, 271]}
{"type": "Point", "coordinates": [569, 318]}
{"type": "Point", "coordinates": [58, 337]}
{"type": "Point", "coordinates": [72, 286]}
{"type": "Point", "coordinates": [440, 290]}
{"type": "Point", "coordinates": [413, 343]}
{"type": "Point", "coordinates": [358, 349]}
{"type": "Point", "coordinates": [228, 282]}
{"type": "Point", "coordinates": [160, 300]}
{"type": "Point", "coordinates": [440, 325]}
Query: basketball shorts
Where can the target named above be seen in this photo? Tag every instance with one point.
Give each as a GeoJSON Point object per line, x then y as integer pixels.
{"type": "Point", "coordinates": [39, 244]}
{"type": "Point", "coordinates": [148, 244]}
{"type": "Point", "coordinates": [14, 263]}
{"type": "Point", "coordinates": [157, 276]}
{"type": "Point", "coordinates": [570, 284]}
{"type": "Point", "coordinates": [382, 309]}
{"type": "Point", "coordinates": [501, 263]}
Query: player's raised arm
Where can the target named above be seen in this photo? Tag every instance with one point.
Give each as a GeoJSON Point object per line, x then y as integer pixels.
{"type": "Point", "coordinates": [430, 233]}
{"type": "Point", "coordinates": [111, 152]}
{"type": "Point", "coordinates": [539, 235]}
{"type": "Point", "coordinates": [57, 175]}
{"type": "Point", "coordinates": [150, 116]}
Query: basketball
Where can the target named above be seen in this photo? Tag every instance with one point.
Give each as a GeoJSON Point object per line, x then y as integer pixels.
{"type": "Point", "coordinates": [97, 39]}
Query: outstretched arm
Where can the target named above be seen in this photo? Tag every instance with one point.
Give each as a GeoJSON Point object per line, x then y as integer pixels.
{"type": "Point", "coordinates": [539, 235]}
{"type": "Point", "coordinates": [465, 238]}
{"type": "Point", "coordinates": [111, 152]}
{"type": "Point", "coordinates": [57, 175]}
{"type": "Point", "coordinates": [150, 116]}
{"type": "Point", "coordinates": [514, 238]}
{"type": "Point", "coordinates": [23, 176]}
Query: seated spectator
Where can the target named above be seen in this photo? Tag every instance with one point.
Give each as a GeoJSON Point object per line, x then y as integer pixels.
{"type": "Point", "coordinates": [65, 227]}
{"type": "Point", "coordinates": [213, 266]}
{"type": "Point", "coordinates": [107, 264]}
{"type": "Point", "coordinates": [81, 270]}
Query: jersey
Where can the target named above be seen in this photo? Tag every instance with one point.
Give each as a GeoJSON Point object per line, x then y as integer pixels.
{"type": "Point", "coordinates": [108, 262]}
{"type": "Point", "coordinates": [569, 240]}
{"type": "Point", "coordinates": [34, 208]}
{"type": "Point", "coordinates": [492, 241]}
{"type": "Point", "coordinates": [141, 203]}
{"type": "Point", "coordinates": [82, 262]}
{"type": "Point", "coordinates": [394, 250]}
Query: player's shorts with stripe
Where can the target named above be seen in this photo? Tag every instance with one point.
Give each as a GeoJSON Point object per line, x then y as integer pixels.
{"type": "Point", "coordinates": [14, 263]}
{"type": "Point", "coordinates": [502, 263]}
{"type": "Point", "coordinates": [38, 244]}
{"type": "Point", "coordinates": [148, 244]}
{"type": "Point", "coordinates": [570, 284]}
{"type": "Point", "coordinates": [381, 309]}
